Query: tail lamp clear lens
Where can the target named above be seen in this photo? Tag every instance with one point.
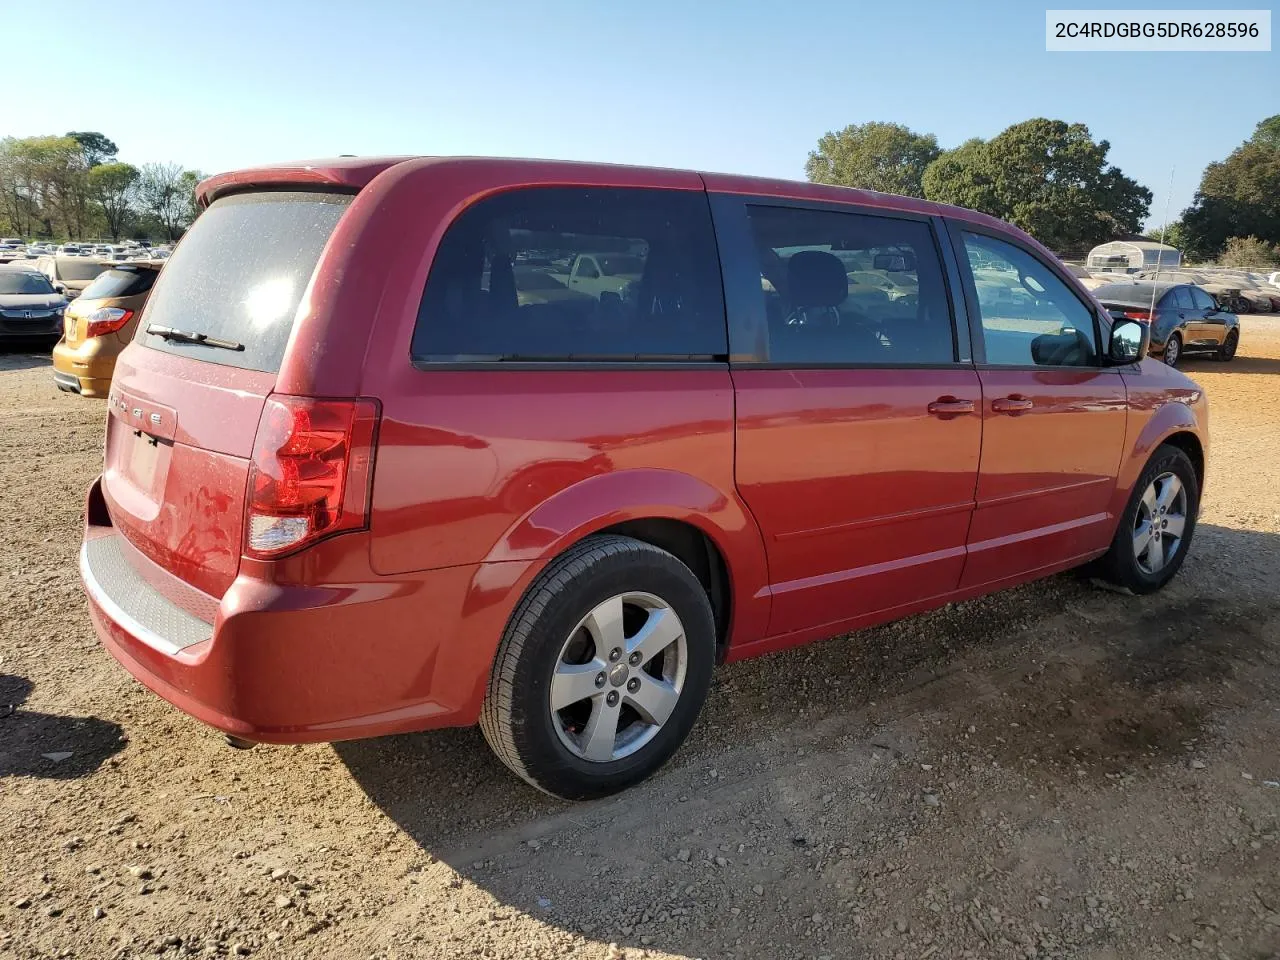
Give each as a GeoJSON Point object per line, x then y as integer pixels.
{"type": "Point", "coordinates": [310, 474]}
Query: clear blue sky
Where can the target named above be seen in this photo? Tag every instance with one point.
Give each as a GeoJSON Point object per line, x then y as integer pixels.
{"type": "Point", "coordinates": [733, 86]}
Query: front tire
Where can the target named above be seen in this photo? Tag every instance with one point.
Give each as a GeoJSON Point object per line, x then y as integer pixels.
{"type": "Point", "coordinates": [1227, 351]}
{"type": "Point", "coordinates": [1155, 530]}
{"type": "Point", "coordinates": [602, 670]}
{"type": "Point", "coordinates": [1173, 350]}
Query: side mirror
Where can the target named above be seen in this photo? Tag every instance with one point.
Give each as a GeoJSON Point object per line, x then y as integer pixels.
{"type": "Point", "coordinates": [60, 288]}
{"type": "Point", "coordinates": [1130, 341]}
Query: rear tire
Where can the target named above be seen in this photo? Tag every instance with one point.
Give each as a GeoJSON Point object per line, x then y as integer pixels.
{"type": "Point", "coordinates": [1227, 351]}
{"type": "Point", "coordinates": [1173, 350]}
{"type": "Point", "coordinates": [602, 670]}
{"type": "Point", "coordinates": [1164, 505]}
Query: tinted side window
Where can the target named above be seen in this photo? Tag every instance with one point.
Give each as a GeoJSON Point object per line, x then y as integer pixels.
{"type": "Point", "coordinates": [851, 288]}
{"type": "Point", "coordinates": [1202, 300]}
{"type": "Point", "coordinates": [1182, 298]}
{"type": "Point", "coordinates": [502, 285]}
{"type": "Point", "coordinates": [1029, 316]}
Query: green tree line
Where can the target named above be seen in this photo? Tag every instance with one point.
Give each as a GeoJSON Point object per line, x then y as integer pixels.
{"type": "Point", "coordinates": [73, 187]}
{"type": "Point", "coordinates": [1052, 179]}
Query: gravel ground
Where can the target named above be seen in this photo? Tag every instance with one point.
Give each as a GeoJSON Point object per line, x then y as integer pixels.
{"type": "Point", "coordinates": [1054, 771]}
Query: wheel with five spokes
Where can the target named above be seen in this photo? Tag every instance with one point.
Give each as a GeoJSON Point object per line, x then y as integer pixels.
{"type": "Point", "coordinates": [1155, 530]}
{"type": "Point", "coordinates": [602, 670]}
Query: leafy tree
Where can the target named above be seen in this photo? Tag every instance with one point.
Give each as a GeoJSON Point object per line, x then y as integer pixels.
{"type": "Point", "coordinates": [1174, 235]}
{"type": "Point", "coordinates": [963, 177]}
{"type": "Point", "coordinates": [190, 180]}
{"type": "Point", "coordinates": [45, 176]}
{"type": "Point", "coordinates": [73, 187]}
{"type": "Point", "coordinates": [96, 147]}
{"type": "Point", "coordinates": [19, 211]}
{"type": "Point", "coordinates": [167, 194]}
{"type": "Point", "coordinates": [874, 156]}
{"type": "Point", "coordinates": [114, 187]}
{"type": "Point", "coordinates": [1049, 177]}
{"type": "Point", "coordinates": [1267, 133]}
{"type": "Point", "coordinates": [1238, 197]}
{"type": "Point", "coordinates": [1249, 252]}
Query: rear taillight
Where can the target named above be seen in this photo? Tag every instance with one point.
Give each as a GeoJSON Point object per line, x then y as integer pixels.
{"type": "Point", "coordinates": [1135, 314]}
{"type": "Point", "coordinates": [106, 320]}
{"type": "Point", "coordinates": [312, 463]}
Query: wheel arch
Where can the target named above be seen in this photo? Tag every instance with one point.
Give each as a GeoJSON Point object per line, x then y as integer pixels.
{"type": "Point", "coordinates": [1190, 444]}
{"type": "Point", "coordinates": [1180, 424]}
{"type": "Point", "coordinates": [697, 551]}
{"type": "Point", "coordinates": [709, 530]}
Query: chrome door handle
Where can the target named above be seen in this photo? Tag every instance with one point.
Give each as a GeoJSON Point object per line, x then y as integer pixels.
{"type": "Point", "coordinates": [947, 407]}
{"type": "Point", "coordinates": [1012, 405]}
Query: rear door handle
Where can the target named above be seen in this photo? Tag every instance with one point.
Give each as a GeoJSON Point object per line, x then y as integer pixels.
{"type": "Point", "coordinates": [947, 407]}
{"type": "Point", "coordinates": [1012, 405]}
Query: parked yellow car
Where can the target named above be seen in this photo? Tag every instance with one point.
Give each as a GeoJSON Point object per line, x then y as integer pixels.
{"type": "Point", "coordinates": [98, 325]}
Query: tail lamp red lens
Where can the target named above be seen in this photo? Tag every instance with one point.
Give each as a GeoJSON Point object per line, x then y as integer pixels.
{"type": "Point", "coordinates": [106, 320]}
{"type": "Point", "coordinates": [1136, 314]}
{"type": "Point", "coordinates": [311, 470]}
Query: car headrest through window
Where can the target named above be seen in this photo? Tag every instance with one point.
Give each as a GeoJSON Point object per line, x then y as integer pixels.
{"type": "Point", "coordinates": [816, 279]}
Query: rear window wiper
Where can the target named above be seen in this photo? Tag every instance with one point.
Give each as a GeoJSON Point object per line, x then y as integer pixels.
{"type": "Point", "coordinates": [183, 336]}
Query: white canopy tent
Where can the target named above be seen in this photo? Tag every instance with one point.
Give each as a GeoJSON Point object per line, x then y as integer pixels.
{"type": "Point", "coordinates": [1133, 256]}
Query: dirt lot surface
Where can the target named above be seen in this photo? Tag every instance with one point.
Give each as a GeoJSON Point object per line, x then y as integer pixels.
{"type": "Point", "coordinates": [1055, 771]}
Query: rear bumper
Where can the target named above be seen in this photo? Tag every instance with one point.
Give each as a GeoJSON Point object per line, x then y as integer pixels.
{"type": "Point", "coordinates": [86, 369]}
{"type": "Point", "coordinates": [281, 662]}
{"type": "Point", "coordinates": [66, 382]}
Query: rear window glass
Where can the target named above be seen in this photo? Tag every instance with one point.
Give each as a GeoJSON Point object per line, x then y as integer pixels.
{"type": "Point", "coordinates": [119, 282]}
{"type": "Point", "coordinates": [239, 274]}
{"type": "Point", "coordinates": [568, 274]}
{"type": "Point", "coordinates": [79, 270]}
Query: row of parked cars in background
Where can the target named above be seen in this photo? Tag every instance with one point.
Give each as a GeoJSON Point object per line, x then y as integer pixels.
{"type": "Point", "coordinates": [15, 249]}
{"type": "Point", "coordinates": [89, 305]}
{"type": "Point", "coordinates": [1240, 291]}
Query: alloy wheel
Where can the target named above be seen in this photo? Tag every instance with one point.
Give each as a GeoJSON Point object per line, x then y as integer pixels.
{"type": "Point", "coordinates": [1172, 349]}
{"type": "Point", "coordinates": [618, 677]}
{"type": "Point", "coordinates": [1160, 523]}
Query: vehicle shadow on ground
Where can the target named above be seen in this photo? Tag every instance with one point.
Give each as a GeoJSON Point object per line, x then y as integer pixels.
{"type": "Point", "coordinates": [1194, 364]}
{"type": "Point", "coordinates": [23, 355]}
{"type": "Point", "coordinates": [1128, 680]}
{"type": "Point", "coordinates": [46, 745]}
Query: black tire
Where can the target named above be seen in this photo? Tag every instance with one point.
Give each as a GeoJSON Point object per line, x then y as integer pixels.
{"type": "Point", "coordinates": [1227, 351]}
{"type": "Point", "coordinates": [516, 718]}
{"type": "Point", "coordinates": [1173, 350]}
{"type": "Point", "coordinates": [1119, 566]}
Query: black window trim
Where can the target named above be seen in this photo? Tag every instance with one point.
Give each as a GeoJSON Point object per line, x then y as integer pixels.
{"type": "Point", "coordinates": [428, 362]}
{"type": "Point", "coordinates": [956, 228]}
{"type": "Point", "coordinates": [748, 327]}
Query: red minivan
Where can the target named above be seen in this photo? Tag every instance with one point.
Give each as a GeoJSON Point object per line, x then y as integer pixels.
{"type": "Point", "coordinates": [412, 443]}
